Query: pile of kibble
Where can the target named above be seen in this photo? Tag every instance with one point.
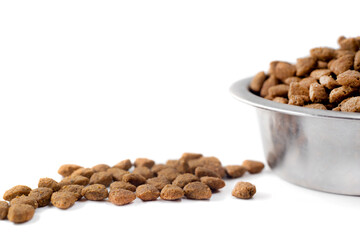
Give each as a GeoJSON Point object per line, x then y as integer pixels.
{"type": "Point", "coordinates": [329, 79]}
{"type": "Point", "coordinates": [193, 176]}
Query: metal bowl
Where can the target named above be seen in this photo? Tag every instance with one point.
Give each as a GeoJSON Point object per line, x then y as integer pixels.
{"type": "Point", "coordinates": [317, 149]}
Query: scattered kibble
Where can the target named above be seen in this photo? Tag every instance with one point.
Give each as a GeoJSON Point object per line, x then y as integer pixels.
{"type": "Point", "coordinates": [244, 190]}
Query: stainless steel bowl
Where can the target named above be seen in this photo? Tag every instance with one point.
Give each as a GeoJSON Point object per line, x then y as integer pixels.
{"type": "Point", "coordinates": [317, 149]}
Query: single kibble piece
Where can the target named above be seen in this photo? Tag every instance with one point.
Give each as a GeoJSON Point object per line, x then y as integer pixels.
{"type": "Point", "coordinates": [117, 173]}
{"type": "Point", "coordinates": [144, 162]}
{"type": "Point", "coordinates": [85, 172]}
{"type": "Point", "coordinates": [134, 179]}
{"type": "Point", "coordinates": [357, 61]}
{"type": "Point", "coordinates": [67, 169]}
{"type": "Point", "coordinates": [104, 178]}
{"type": "Point", "coordinates": [349, 78]}
{"type": "Point", "coordinates": [95, 192]}
{"type": "Point", "coordinates": [253, 166]}
{"type": "Point", "coordinates": [328, 82]}
{"type": "Point", "coordinates": [317, 93]}
{"type": "Point", "coordinates": [76, 189]}
{"type": "Point", "coordinates": [49, 183]}
{"type": "Point", "coordinates": [213, 183]}
{"type": "Point", "coordinates": [244, 190]}
{"type": "Point", "coordinates": [305, 65]}
{"type": "Point", "coordinates": [16, 191]}
{"type": "Point", "coordinates": [171, 192]}
{"type": "Point", "coordinates": [281, 100]}
{"type": "Point", "coordinates": [122, 185]}
{"type": "Point", "coordinates": [318, 73]}
{"type": "Point", "coordinates": [24, 200]}
{"type": "Point", "coordinates": [298, 100]}
{"type": "Point", "coordinates": [235, 171]}
{"type": "Point", "coordinates": [74, 180]}
{"type": "Point", "coordinates": [351, 105]}
{"type": "Point", "coordinates": [296, 88]}
{"type": "Point", "coordinates": [124, 164]}
{"type": "Point", "coordinates": [213, 164]}
{"type": "Point", "coordinates": [280, 90]}
{"type": "Point", "coordinates": [100, 168]}
{"type": "Point", "coordinates": [4, 208]}
{"type": "Point", "coordinates": [20, 213]}
{"type": "Point", "coordinates": [63, 200]}
{"type": "Point", "coordinates": [42, 196]}
{"type": "Point", "coordinates": [147, 192]}
{"type": "Point", "coordinates": [342, 64]}
{"type": "Point", "coordinates": [350, 44]}
{"type": "Point", "coordinates": [284, 70]}
{"type": "Point", "coordinates": [197, 190]}
{"type": "Point", "coordinates": [172, 163]}
{"type": "Point", "coordinates": [338, 94]}
{"type": "Point", "coordinates": [191, 156]}
{"type": "Point", "coordinates": [257, 82]}
{"type": "Point", "coordinates": [289, 80]}
{"type": "Point", "coordinates": [169, 173]}
{"type": "Point", "coordinates": [271, 81]}
{"type": "Point", "coordinates": [323, 53]}
{"type": "Point", "coordinates": [121, 197]}
{"type": "Point", "coordinates": [184, 179]}
{"type": "Point", "coordinates": [158, 167]}
{"type": "Point", "coordinates": [202, 172]}
{"type": "Point", "coordinates": [144, 171]}
{"type": "Point", "coordinates": [316, 106]}
{"type": "Point", "coordinates": [158, 182]}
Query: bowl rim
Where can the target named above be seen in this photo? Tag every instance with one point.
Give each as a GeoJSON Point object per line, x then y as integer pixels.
{"type": "Point", "coordinates": [240, 90]}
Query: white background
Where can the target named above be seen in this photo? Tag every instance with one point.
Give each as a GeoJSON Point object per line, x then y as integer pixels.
{"type": "Point", "coordinates": [91, 82]}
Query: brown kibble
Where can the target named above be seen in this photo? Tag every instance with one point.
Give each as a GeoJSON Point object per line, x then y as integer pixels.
{"type": "Point", "coordinates": [95, 192]}
{"type": "Point", "coordinates": [235, 171]}
{"type": "Point", "coordinates": [289, 80]}
{"type": "Point", "coordinates": [183, 179]}
{"type": "Point", "coordinates": [85, 172]}
{"type": "Point", "coordinates": [316, 106]}
{"type": "Point", "coordinates": [357, 61]}
{"type": "Point", "coordinates": [117, 173]}
{"type": "Point", "coordinates": [63, 200]}
{"type": "Point", "coordinates": [296, 89]}
{"type": "Point", "coordinates": [42, 195]}
{"type": "Point", "coordinates": [202, 172]}
{"type": "Point", "coordinates": [20, 213]}
{"type": "Point", "coordinates": [121, 197]}
{"type": "Point", "coordinates": [16, 191]}
{"type": "Point", "coordinates": [171, 192]}
{"type": "Point", "coordinates": [322, 65]}
{"type": "Point", "coordinates": [104, 178]}
{"type": "Point", "coordinates": [213, 164]}
{"type": "Point", "coordinates": [158, 167]}
{"type": "Point", "coordinates": [24, 200]}
{"type": "Point", "coordinates": [74, 180]}
{"type": "Point", "coordinates": [342, 64]}
{"type": "Point", "coordinates": [244, 190]}
{"type": "Point", "coordinates": [253, 166]}
{"type": "Point", "coordinates": [147, 192]}
{"type": "Point", "coordinates": [197, 190]}
{"type": "Point", "coordinates": [281, 100]}
{"type": "Point", "coordinates": [318, 73]}
{"type": "Point", "coordinates": [272, 66]}
{"type": "Point", "coordinates": [191, 156]}
{"type": "Point", "coordinates": [158, 182]}
{"type": "Point", "coordinates": [213, 183]}
{"type": "Point", "coordinates": [4, 208]}
{"type": "Point", "coordinates": [144, 162]}
{"type": "Point", "coordinates": [257, 82]}
{"type": "Point", "coordinates": [67, 169]}
{"type": "Point", "coordinates": [328, 82]}
{"type": "Point", "coordinates": [76, 189]}
{"type": "Point", "coordinates": [349, 78]}
{"type": "Point", "coordinates": [122, 185]}
{"type": "Point", "coordinates": [305, 65]}
{"type": "Point", "coordinates": [169, 173]}
{"type": "Point", "coordinates": [172, 163]}
{"type": "Point", "coordinates": [298, 100]}
{"type": "Point", "coordinates": [351, 105]}
{"type": "Point", "coordinates": [124, 164]}
{"type": "Point", "coordinates": [341, 52]}
{"type": "Point", "coordinates": [280, 90]}
{"type": "Point", "coordinates": [49, 183]}
{"type": "Point", "coordinates": [284, 70]}
{"type": "Point", "coordinates": [144, 171]}
{"type": "Point", "coordinates": [306, 82]}
{"type": "Point", "coordinates": [271, 81]}
{"type": "Point", "coordinates": [350, 44]}
{"type": "Point", "coordinates": [340, 93]}
{"type": "Point", "coordinates": [100, 168]}
{"type": "Point", "coordinates": [134, 179]}
{"type": "Point", "coordinates": [323, 53]}
{"type": "Point", "coordinates": [317, 93]}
